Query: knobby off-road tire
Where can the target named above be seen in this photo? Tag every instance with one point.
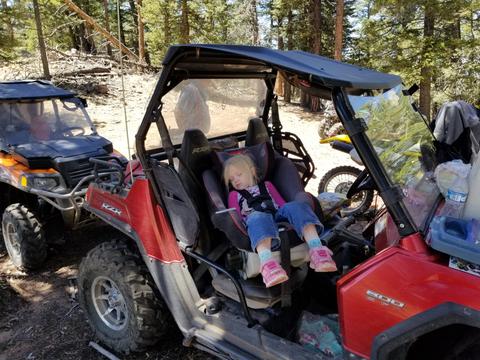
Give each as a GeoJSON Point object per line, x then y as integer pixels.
{"type": "Point", "coordinates": [24, 237]}
{"type": "Point", "coordinates": [117, 295]}
{"type": "Point", "coordinates": [339, 179]}
{"type": "Point", "coordinates": [468, 348]}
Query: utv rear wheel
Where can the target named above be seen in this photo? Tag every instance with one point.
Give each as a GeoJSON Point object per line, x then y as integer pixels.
{"type": "Point", "coordinates": [117, 295]}
{"type": "Point", "coordinates": [24, 237]}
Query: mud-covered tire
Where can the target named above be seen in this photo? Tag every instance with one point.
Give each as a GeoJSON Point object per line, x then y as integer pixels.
{"type": "Point", "coordinates": [24, 237]}
{"type": "Point", "coordinates": [361, 201]}
{"type": "Point", "coordinates": [117, 294]}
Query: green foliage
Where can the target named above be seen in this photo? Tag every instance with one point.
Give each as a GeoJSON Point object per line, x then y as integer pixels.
{"type": "Point", "coordinates": [391, 39]}
{"type": "Point", "coordinates": [387, 35]}
{"type": "Point", "coordinates": [13, 19]}
{"type": "Point", "coordinates": [161, 26]}
{"type": "Point", "coordinates": [397, 132]}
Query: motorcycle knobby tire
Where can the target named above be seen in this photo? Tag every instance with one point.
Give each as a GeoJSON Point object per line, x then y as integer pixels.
{"type": "Point", "coordinates": [366, 196]}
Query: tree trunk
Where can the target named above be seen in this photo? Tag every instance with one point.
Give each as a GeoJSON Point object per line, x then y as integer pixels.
{"type": "Point", "coordinates": [279, 84]}
{"type": "Point", "coordinates": [133, 9]}
{"type": "Point", "coordinates": [225, 25]}
{"type": "Point", "coordinates": [82, 38]}
{"type": "Point", "coordinates": [121, 30]}
{"type": "Point", "coordinates": [73, 37]}
{"type": "Point", "coordinates": [316, 17]}
{"type": "Point", "coordinates": [8, 20]}
{"type": "Point", "coordinates": [254, 21]}
{"type": "Point", "coordinates": [272, 25]}
{"type": "Point", "coordinates": [339, 30]}
{"type": "Point", "coordinates": [316, 27]}
{"type": "Point", "coordinates": [185, 24]}
{"type": "Point", "coordinates": [89, 40]}
{"type": "Point", "coordinates": [107, 25]}
{"type": "Point", "coordinates": [41, 42]}
{"type": "Point", "coordinates": [287, 87]}
{"type": "Point", "coordinates": [426, 71]}
{"type": "Point", "coordinates": [167, 27]}
{"type": "Point", "coordinates": [141, 33]}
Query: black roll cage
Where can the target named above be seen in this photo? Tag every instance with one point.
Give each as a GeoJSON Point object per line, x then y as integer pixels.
{"type": "Point", "coordinates": [171, 76]}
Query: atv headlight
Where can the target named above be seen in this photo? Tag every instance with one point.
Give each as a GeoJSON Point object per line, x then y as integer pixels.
{"type": "Point", "coordinates": [45, 183]}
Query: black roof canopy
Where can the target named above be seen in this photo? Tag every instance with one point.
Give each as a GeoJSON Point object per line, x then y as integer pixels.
{"type": "Point", "coordinates": [197, 59]}
{"type": "Point", "coordinates": [31, 90]}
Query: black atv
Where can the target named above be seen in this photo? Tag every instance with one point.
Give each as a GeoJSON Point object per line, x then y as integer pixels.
{"type": "Point", "coordinates": [46, 140]}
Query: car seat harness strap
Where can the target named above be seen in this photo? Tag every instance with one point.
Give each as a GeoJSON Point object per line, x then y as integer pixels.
{"type": "Point", "coordinates": [262, 202]}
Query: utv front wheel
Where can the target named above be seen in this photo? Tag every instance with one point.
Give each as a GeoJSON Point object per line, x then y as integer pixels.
{"type": "Point", "coordinates": [117, 295]}
{"type": "Point", "coordinates": [24, 237]}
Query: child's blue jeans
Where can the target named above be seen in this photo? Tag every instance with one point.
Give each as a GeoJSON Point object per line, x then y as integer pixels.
{"type": "Point", "coordinates": [261, 225]}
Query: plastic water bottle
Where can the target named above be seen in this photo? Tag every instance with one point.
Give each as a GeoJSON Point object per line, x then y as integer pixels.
{"type": "Point", "coordinates": [455, 199]}
{"type": "Point", "coordinates": [452, 180]}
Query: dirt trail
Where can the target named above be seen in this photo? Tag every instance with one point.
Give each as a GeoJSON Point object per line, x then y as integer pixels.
{"type": "Point", "coordinates": [38, 318]}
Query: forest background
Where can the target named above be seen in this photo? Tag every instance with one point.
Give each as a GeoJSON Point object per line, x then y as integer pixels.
{"type": "Point", "coordinates": [434, 43]}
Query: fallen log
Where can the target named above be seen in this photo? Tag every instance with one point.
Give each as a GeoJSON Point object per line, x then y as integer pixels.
{"type": "Point", "coordinates": [95, 70]}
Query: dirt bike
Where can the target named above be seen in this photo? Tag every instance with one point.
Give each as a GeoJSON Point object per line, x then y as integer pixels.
{"type": "Point", "coordinates": [340, 178]}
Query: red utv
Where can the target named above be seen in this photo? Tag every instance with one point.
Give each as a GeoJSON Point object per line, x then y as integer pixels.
{"type": "Point", "coordinates": [186, 254]}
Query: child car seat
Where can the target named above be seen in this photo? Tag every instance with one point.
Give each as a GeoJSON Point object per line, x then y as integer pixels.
{"type": "Point", "coordinates": [230, 223]}
{"type": "Point", "coordinates": [292, 147]}
{"type": "Point", "coordinates": [198, 161]}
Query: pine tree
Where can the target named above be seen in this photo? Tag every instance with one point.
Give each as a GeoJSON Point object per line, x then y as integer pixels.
{"type": "Point", "coordinates": [426, 42]}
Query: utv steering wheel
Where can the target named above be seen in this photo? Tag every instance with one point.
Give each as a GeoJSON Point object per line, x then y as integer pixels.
{"type": "Point", "coordinates": [72, 131]}
{"type": "Point", "coordinates": [361, 183]}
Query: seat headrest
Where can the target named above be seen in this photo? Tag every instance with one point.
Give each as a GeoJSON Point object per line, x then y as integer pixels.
{"type": "Point", "coordinates": [261, 154]}
{"type": "Point", "coordinates": [195, 150]}
{"type": "Point", "coordinates": [256, 132]}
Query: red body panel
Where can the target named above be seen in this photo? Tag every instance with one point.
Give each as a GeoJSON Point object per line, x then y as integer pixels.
{"type": "Point", "coordinates": [402, 283]}
{"type": "Point", "coordinates": [139, 211]}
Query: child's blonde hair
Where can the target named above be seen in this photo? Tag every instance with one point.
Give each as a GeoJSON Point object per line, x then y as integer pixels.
{"type": "Point", "coordinates": [241, 162]}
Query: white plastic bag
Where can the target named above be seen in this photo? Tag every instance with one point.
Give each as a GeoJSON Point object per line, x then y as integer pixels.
{"type": "Point", "coordinates": [452, 175]}
{"type": "Point", "coordinates": [191, 110]}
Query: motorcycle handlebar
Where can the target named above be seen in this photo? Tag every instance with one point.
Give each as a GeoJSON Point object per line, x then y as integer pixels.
{"type": "Point", "coordinates": [341, 146]}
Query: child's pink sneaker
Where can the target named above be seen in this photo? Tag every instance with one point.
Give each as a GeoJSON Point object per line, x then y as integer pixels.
{"type": "Point", "coordinates": [273, 273]}
{"type": "Point", "coordinates": [321, 259]}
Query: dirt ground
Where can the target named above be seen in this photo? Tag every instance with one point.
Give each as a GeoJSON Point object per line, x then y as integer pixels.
{"type": "Point", "coordinates": [40, 320]}
{"type": "Point", "coordinates": [38, 317]}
